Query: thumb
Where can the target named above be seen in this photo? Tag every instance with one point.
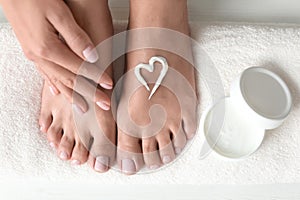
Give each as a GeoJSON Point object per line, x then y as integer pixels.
{"type": "Point", "coordinates": [75, 37]}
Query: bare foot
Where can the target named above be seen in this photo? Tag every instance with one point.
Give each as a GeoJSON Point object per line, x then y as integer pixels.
{"type": "Point", "coordinates": [172, 126]}
{"type": "Point", "coordinates": [57, 120]}
{"type": "Point", "coordinates": [75, 134]}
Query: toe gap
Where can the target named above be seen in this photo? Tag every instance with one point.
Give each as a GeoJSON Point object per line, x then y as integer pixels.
{"type": "Point", "coordinates": [91, 142]}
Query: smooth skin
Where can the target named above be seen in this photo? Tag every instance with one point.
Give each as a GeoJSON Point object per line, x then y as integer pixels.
{"type": "Point", "coordinates": [160, 148]}
{"type": "Point", "coordinates": [40, 27]}
{"type": "Point", "coordinates": [90, 136]}
{"type": "Point", "coordinates": [73, 140]}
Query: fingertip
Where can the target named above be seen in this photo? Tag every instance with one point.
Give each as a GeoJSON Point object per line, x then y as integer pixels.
{"type": "Point", "coordinates": [106, 82]}
{"type": "Point", "coordinates": [90, 54]}
{"type": "Point", "coordinates": [106, 86]}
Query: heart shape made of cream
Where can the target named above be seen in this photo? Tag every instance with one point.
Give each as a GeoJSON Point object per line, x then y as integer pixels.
{"type": "Point", "coordinates": [150, 67]}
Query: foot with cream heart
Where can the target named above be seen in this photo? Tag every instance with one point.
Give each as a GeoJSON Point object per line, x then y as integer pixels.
{"type": "Point", "coordinates": [157, 110]}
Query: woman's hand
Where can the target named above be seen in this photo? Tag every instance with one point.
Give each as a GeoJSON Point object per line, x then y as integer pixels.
{"type": "Point", "coordinates": [39, 26]}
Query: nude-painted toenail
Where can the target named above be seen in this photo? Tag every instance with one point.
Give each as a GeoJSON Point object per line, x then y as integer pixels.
{"type": "Point", "coordinates": [166, 159]}
{"type": "Point", "coordinates": [177, 150]}
{"type": "Point", "coordinates": [128, 166]}
{"type": "Point", "coordinates": [101, 163]}
{"type": "Point", "coordinates": [106, 86]}
{"type": "Point", "coordinates": [103, 105]}
{"type": "Point", "coordinates": [153, 167]}
{"type": "Point", "coordinates": [77, 109]}
{"type": "Point", "coordinates": [75, 162]}
{"type": "Point", "coordinates": [63, 155]}
{"type": "Point", "coordinates": [52, 145]}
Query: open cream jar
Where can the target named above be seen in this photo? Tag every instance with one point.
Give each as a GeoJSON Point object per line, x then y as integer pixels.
{"type": "Point", "coordinates": [235, 126]}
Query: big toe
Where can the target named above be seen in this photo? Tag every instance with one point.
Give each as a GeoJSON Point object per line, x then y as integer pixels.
{"type": "Point", "coordinates": [129, 155]}
{"type": "Point", "coordinates": [102, 153]}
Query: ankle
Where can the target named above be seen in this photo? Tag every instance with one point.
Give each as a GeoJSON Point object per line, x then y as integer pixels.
{"type": "Point", "coordinates": [170, 14]}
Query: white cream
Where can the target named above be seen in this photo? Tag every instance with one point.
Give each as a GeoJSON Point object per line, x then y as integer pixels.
{"type": "Point", "coordinates": [150, 67]}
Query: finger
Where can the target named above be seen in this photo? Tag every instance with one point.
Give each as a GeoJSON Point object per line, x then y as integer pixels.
{"type": "Point", "coordinates": [76, 38]}
{"type": "Point", "coordinates": [60, 54]}
{"type": "Point", "coordinates": [53, 89]}
{"type": "Point", "coordinates": [79, 103]}
{"type": "Point", "coordinates": [77, 83]}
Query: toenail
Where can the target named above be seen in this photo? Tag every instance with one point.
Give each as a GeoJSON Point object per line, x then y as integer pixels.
{"type": "Point", "coordinates": [103, 106]}
{"type": "Point", "coordinates": [52, 145]}
{"type": "Point", "coordinates": [75, 162]}
{"type": "Point", "coordinates": [153, 167]}
{"type": "Point", "coordinates": [77, 109]}
{"type": "Point", "coordinates": [166, 159]}
{"type": "Point", "coordinates": [63, 155]}
{"type": "Point", "coordinates": [101, 163]}
{"type": "Point", "coordinates": [42, 128]}
{"type": "Point", "coordinates": [106, 86]}
{"type": "Point", "coordinates": [177, 150]}
{"type": "Point", "coordinates": [128, 166]}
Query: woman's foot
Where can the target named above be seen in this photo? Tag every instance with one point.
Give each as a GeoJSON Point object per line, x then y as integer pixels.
{"type": "Point", "coordinates": [94, 132]}
{"type": "Point", "coordinates": [158, 143]}
{"type": "Point", "coordinates": [57, 121]}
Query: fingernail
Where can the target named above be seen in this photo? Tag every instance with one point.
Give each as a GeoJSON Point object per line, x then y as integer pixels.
{"type": "Point", "coordinates": [75, 162]}
{"type": "Point", "coordinates": [77, 109]}
{"type": "Point", "coordinates": [128, 166]}
{"type": "Point", "coordinates": [153, 167]}
{"type": "Point", "coordinates": [177, 150]}
{"type": "Point", "coordinates": [106, 86]}
{"type": "Point", "coordinates": [104, 106]}
{"type": "Point", "coordinates": [52, 90]}
{"type": "Point", "coordinates": [42, 128]}
{"type": "Point", "coordinates": [52, 145]}
{"type": "Point", "coordinates": [63, 155]}
{"type": "Point", "coordinates": [166, 159]}
{"type": "Point", "coordinates": [101, 163]}
{"type": "Point", "coordinates": [91, 54]}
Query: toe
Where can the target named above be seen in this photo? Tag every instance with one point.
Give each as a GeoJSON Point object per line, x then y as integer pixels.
{"type": "Point", "coordinates": [66, 146]}
{"type": "Point", "coordinates": [129, 156]}
{"type": "Point", "coordinates": [79, 154]}
{"type": "Point", "coordinates": [45, 120]}
{"type": "Point", "coordinates": [46, 114]}
{"type": "Point", "coordinates": [103, 154]}
{"type": "Point", "coordinates": [179, 140]}
{"type": "Point", "coordinates": [54, 134]}
{"type": "Point", "coordinates": [189, 126]}
{"type": "Point", "coordinates": [151, 153]}
{"type": "Point", "coordinates": [101, 164]}
{"type": "Point", "coordinates": [165, 147]}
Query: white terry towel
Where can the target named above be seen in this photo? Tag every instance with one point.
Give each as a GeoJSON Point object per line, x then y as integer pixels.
{"type": "Point", "coordinates": [25, 153]}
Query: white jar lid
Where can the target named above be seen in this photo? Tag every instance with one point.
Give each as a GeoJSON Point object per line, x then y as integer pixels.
{"type": "Point", "coordinates": [235, 126]}
{"type": "Point", "coordinates": [263, 95]}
